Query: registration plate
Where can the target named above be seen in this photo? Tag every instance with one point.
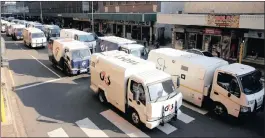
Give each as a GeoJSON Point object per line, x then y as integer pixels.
{"type": "Point", "coordinates": [83, 70]}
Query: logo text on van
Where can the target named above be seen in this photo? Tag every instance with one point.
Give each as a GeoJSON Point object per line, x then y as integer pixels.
{"type": "Point", "coordinates": [128, 60]}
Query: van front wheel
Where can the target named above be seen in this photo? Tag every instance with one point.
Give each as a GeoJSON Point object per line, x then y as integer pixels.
{"type": "Point", "coordinates": [135, 118]}
{"type": "Point", "coordinates": [220, 110]}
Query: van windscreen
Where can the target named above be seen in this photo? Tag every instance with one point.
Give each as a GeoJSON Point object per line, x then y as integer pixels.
{"type": "Point", "coordinates": [37, 35]}
{"type": "Point", "coordinates": [39, 27]}
{"type": "Point", "coordinates": [19, 29]}
{"type": "Point", "coordinates": [86, 38]}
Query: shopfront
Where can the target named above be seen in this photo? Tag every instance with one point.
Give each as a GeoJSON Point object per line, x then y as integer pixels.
{"type": "Point", "coordinates": [129, 29]}
{"type": "Point", "coordinates": [194, 38]}
{"type": "Point", "coordinates": [254, 44]}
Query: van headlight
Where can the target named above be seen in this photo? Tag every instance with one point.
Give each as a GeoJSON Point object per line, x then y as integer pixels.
{"type": "Point", "coordinates": [251, 102]}
{"type": "Point", "coordinates": [245, 109]}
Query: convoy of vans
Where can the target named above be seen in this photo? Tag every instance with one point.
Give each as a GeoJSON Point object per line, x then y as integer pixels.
{"type": "Point", "coordinates": [135, 87]}
{"type": "Point", "coordinates": [233, 89]}
{"type": "Point", "coordinates": [150, 86]}
{"type": "Point", "coordinates": [34, 37]}
{"type": "Point", "coordinates": [88, 39]}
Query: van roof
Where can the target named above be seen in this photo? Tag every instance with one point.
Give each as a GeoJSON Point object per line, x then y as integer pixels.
{"type": "Point", "coordinates": [117, 40]}
{"type": "Point", "coordinates": [133, 46]}
{"type": "Point", "coordinates": [71, 43]}
{"type": "Point", "coordinates": [113, 55]}
{"type": "Point", "coordinates": [237, 69]}
{"type": "Point", "coordinates": [77, 31]}
{"type": "Point", "coordinates": [51, 26]}
{"type": "Point", "coordinates": [195, 59]}
{"type": "Point", "coordinates": [18, 26]}
{"type": "Point", "coordinates": [34, 30]}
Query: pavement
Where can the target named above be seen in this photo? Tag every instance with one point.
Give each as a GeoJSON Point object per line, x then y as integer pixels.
{"type": "Point", "coordinates": [54, 105]}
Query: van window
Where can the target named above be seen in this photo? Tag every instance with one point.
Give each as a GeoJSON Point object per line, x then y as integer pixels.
{"type": "Point", "coordinates": [55, 31]}
{"type": "Point", "coordinates": [37, 35]}
{"type": "Point", "coordinates": [19, 29]}
{"type": "Point", "coordinates": [229, 83]}
{"type": "Point", "coordinates": [86, 38]}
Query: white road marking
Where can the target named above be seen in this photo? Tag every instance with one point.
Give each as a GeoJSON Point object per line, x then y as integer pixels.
{"type": "Point", "coordinates": [90, 129]}
{"type": "Point", "coordinates": [122, 124]}
{"type": "Point", "coordinates": [184, 117]}
{"type": "Point", "coordinates": [194, 108]}
{"type": "Point", "coordinates": [46, 66]}
{"type": "Point", "coordinates": [57, 133]}
{"type": "Point", "coordinates": [167, 128]}
{"type": "Point", "coordinates": [24, 87]}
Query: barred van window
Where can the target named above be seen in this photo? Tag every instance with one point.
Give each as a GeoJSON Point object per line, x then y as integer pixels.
{"type": "Point", "coordinates": [184, 68]}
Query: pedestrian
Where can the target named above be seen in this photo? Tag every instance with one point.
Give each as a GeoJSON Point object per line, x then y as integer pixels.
{"type": "Point", "coordinates": [233, 49]}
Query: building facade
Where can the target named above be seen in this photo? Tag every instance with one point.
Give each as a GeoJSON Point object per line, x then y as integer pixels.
{"type": "Point", "coordinates": [135, 20]}
{"type": "Point", "coordinates": [8, 7]}
{"type": "Point", "coordinates": [220, 28]}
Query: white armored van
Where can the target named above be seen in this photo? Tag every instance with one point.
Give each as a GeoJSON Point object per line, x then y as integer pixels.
{"type": "Point", "coordinates": [34, 37]}
{"type": "Point", "coordinates": [17, 31]}
{"type": "Point", "coordinates": [135, 87]}
{"type": "Point", "coordinates": [88, 39]}
{"type": "Point", "coordinates": [233, 89]}
{"type": "Point", "coordinates": [108, 43]}
{"type": "Point", "coordinates": [69, 55]}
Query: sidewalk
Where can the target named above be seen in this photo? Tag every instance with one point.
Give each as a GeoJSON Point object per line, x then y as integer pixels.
{"type": "Point", "coordinates": [12, 125]}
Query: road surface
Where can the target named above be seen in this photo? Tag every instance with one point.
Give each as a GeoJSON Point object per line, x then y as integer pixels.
{"type": "Point", "coordinates": [53, 105]}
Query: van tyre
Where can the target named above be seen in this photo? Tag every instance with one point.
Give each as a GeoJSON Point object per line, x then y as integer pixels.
{"type": "Point", "coordinates": [220, 110]}
{"type": "Point", "coordinates": [101, 97]}
{"type": "Point", "coordinates": [135, 118]}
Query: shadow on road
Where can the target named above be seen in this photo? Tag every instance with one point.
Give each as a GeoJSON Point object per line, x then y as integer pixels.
{"type": "Point", "coordinates": [31, 67]}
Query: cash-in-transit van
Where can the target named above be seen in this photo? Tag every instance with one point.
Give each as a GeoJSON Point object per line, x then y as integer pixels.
{"type": "Point", "coordinates": [34, 37]}
{"type": "Point", "coordinates": [135, 87]}
{"type": "Point", "coordinates": [233, 89]}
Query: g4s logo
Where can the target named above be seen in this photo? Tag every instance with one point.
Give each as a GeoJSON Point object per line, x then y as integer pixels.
{"type": "Point", "coordinates": [169, 107]}
{"type": "Point", "coordinates": [103, 76]}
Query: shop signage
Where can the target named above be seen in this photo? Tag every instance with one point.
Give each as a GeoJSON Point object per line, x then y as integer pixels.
{"type": "Point", "coordinates": [223, 21]}
{"type": "Point", "coordinates": [212, 31]}
{"type": "Point", "coordinates": [193, 30]}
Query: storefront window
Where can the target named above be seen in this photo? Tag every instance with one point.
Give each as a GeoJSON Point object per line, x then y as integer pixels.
{"type": "Point", "coordinates": [191, 40]}
{"type": "Point", "coordinates": [128, 31]}
{"type": "Point", "coordinates": [136, 32]}
{"type": "Point", "coordinates": [180, 37]}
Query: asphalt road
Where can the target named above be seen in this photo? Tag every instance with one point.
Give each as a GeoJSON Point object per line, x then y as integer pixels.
{"type": "Point", "coordinates": [52, 104]}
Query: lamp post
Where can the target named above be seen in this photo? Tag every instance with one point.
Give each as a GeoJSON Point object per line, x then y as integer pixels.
{"type": "Point", "coordinates": [24, 9]}
{"type": "Point", "coordinates": [92, 17]}
{"type": "Point", "coordinates": [41, 13]}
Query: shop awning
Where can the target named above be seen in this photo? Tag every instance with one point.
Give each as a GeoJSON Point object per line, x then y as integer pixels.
{"type": "Point", "coordinates": [138, 17]}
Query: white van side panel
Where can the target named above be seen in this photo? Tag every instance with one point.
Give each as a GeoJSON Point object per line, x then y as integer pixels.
{"type": "Point", "coordinates": [192, 81]}
{"type": "Point", "coordinates": [116, 91]}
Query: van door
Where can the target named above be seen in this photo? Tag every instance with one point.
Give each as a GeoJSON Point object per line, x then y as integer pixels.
{"type": "Point", "coordinates": [226, 91]}
{"type": "Point", "coordinates": [140, 104]}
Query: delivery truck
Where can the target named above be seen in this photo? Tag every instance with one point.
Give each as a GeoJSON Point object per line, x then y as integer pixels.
{"type": "Point", "coordinates": [229, 89]}
{"type": "Point", "coordinates": [69, 55]}
{"type": "Point", "coordinates": [135, 87]}
{"type": "Point", "coordinates": [108, 43]}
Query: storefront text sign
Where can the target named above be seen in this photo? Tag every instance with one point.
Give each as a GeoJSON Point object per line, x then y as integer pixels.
{"type": "Point", "coordinates": [212, 31]}
{"type": "Point", "coordinates": [223, 21]}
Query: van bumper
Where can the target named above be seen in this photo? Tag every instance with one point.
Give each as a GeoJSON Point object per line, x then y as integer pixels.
{"type": "Point", "coordinates": [166, 119]}
{"type": "Point", "coordinates": [39, 44]}
{"type": "Point", "coordinates": [80, 71]}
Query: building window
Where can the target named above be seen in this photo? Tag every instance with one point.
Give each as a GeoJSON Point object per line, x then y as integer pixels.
{"type": "Point", "coordinates": [111, 3]}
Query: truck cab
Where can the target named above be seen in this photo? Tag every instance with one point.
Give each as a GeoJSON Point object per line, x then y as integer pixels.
{"type": "Point", "coordinates": [237, 90]}
{"type": "Point", "coordinates": [51, 31]}
{"type": "Point", "coordinates": [8, 29]}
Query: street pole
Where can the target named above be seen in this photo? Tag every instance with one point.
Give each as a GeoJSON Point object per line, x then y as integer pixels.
{"type": "Point", "coordinates": [92, 18]}
{"type": "Point", "coordinates": [24, 9]}
{"type": "Point", "coordinates": [241, 52]}
{"type": "Point", "coordinates": [41, 13]}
